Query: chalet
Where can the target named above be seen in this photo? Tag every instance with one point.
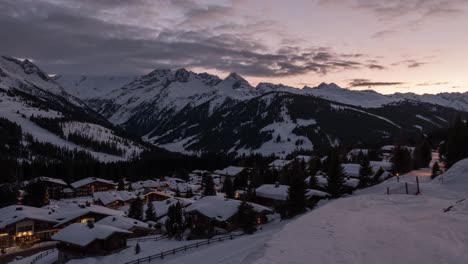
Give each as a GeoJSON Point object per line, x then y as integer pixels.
{"type": "Point", "coordinates": [231, 172]}
{"type": "Point", "coordinates": [54, 186]}
{"type": "Point", "coordinates": [279, 164]}
{"type": "Point", "coordinates": [352, 170]}
{"type": "Point", "coordinates": [82, 213]}
{"type": "Point", "coordinates": [88, 186]}
{"type": "Point", "coordinates": [25, 225]}
{"type": "Point", "coordinates": [217, 212]}
{"type": "Point", "coordinates": [81, 240]}
{"type": "Point", "coordinates": [114, 199]}
{"type": "Point", "coordinates": [161, 207]}
{"type": "Point", "coordinates": [153, 195]}
{"type": "Point", "coordinates": [138, 228]}
{"type": "Point", "coordinates": [275, 195]}
{"type": "Point", "coordinates": [149, 184]}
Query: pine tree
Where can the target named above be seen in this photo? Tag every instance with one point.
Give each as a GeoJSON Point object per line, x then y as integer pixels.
{"type": "Point", "coordinates": [401, 160]}
{"type": "Point", "coordinates": [457, 142]}
{"type": "Point", "coordinates": [36, 194]}
{"type": "Point", "coordinates": [136, 209]}
{"type": "Point", "coordinates": [209, 187]}
{"type": "Point", "coordinates": [121, 185]}
{"type": "Point", "coordinates": [247, 217]}
{"type": "Point", "coordinates": [175, 221]}
{"type": "Point", "coordinates": [365, 172]}
{"type": "Point", "coordinates": [435, 170]}
{"type": "Point", "coordinates": [189, 193]}
{"type": "Point", "coordinates": [228, 188]}
{"type": "Point", "coordinates": [335, 174]}
{"type": "Point", "coordinates": [150, 213]}
{"type": "Point", "coordinates": [296, 201]}
{"type": "Point", "coordinates": [137, 249]}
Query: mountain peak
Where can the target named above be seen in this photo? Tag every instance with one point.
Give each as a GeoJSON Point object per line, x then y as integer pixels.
{"type": "Point", "coordinates": [328, 86]}
{"type": "Point", "coordinates": [238, 80]}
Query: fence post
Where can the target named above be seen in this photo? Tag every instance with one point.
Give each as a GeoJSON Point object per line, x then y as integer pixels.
{"type": "Point", "coordinates": [406, 186]}
{"type": "Point", "coordinates": [162, 255]}
{"type": "Point", "coordinates": [231, 236]}
{"type": "Point", "coordinates": [185, 248]}
{"type": "Point", "coordinates": [417, 184]}
{"type": "Point", "coordinates": [388, 191]}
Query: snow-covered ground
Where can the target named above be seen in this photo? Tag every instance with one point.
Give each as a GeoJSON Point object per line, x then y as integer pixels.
{"type": "Point", "coordinates": [372, 227]}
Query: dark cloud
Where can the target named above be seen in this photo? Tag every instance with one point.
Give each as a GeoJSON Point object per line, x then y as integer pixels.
{"type": "Point", "coordinates": [369, 83]}
{"type": "Point", "coordinates": [376, 67]}
{"type": "Point", "coordinates": [383, 33]}
{"type": "Point", "coordinates": [411, 63]}
{"type": "Point", "coordinates": [105, 37]}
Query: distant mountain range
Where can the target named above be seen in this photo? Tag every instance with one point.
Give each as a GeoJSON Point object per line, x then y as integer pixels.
{"type": "Point", "coordinates": [191, 112]}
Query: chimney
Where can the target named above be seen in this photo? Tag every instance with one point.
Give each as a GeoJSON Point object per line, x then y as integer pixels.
{"type": "Point", "coordinates": [277, 184]}
{"type": "Point", "coordinates": [90, 224]}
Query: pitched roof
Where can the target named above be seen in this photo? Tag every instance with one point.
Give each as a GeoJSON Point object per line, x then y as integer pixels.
{"type": "Point", "coordinates": [123, 222]}
{"type": "Point", "coordinates": [15, 213]}
{"type": "Point", "coordinates": [230, 171]}
{"type": "Point", "coordinates": [113, 196]}
{"type": "Point", "coordinates": [89, 180]}
{"type": "Point", "coordinates": [220, 208]}
{"type": "Point", "coordinates": [82, 235]}
{"type": "Point", "coordinates": [52, 180]}
{"type": "Point", "coordinates": [280, 192]}
{"type": "Point", "coordinates": [279, 163]}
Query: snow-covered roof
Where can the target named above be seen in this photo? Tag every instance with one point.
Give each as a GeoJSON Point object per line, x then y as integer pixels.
{"type": "Point", "coordinates": [113, 196]}
{"type": "Point", "coordinates": [230, 171]}
{"type": "Point", "coordinates": [383, 164]}
{"type": "Point", "coordinates": [14, 213]}
{"type": "Point", "coordinates": [51, 180]}
{"type": "Point", "coordinates": [279, 163]}
{"type": "Point", "coordinates": [304, 158]}
{"type": "Point", "coordinates": [353, 183]}
{"type": "Point", "coordinates": [90, 180]}
{"type": "Point", "coordinates": [272, 191]}
{"type": "Point", "coordinates": [67, 212]}
{"type": "Point", "coordinates": [392, 147]}
{"type": "Point", "coordinates": [355, 152]}
{"type": "Point", "coordinates": [123, 222]}
{"type": "Point", "coordinates": [220, 208]}
{"type": "Point", "coordinates": [82, 235]}
{"type": "Point", "coordinates": [280, 192]}
{"type": "Point", "coordinates": [316, 193]}
{"type": "Point", "coordinates": [148, 184]}
{"type": "Point", "coordinates": [351, 170]}
{"type": "Point", "coordinates": [161, 207]}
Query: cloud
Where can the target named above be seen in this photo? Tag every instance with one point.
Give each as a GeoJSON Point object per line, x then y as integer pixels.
{"type": "Point", "coordinates": [383, 33]}
{"type": "Point", "coordinates": [411, 63]}
{"type": "Point", "coordinates": [369, 83]}
{"type": "Point", "coordinates": [107, 37]}
{"type": "Point", "coordinates": [432, 84]}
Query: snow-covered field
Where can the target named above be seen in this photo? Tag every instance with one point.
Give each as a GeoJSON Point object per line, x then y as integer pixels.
{"type": "Point", "coordinates": [372, 227]}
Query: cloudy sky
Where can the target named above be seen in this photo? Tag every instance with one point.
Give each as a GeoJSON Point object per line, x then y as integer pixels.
{"type": "Point", "coordinates": [389, 46]}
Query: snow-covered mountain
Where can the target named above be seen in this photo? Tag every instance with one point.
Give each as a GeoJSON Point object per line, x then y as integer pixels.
{"type": "Point", "coordinates": [188, 112]}
{"type": "Point", "coordinates": [192, 112]}
{"type": "Point", "coordinates": [50, 118]}
{"type": "Point", "coordinates": [88, 86]}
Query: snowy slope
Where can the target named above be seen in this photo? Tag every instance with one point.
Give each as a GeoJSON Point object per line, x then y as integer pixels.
{"type": "Point", "coordinates": [26, 91]}
{"type": "Point", "coordinates": [87, 87]}
{"type": "Point", "coordinates": [365, 99]}
{"type": "Point", "coordinates": [454, 100]}
{"type": "Point", "coordinates": [372, 227]}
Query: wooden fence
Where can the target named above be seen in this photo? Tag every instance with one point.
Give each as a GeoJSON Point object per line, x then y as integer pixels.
{"type": "Point", "coordinates": [183, 248]}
